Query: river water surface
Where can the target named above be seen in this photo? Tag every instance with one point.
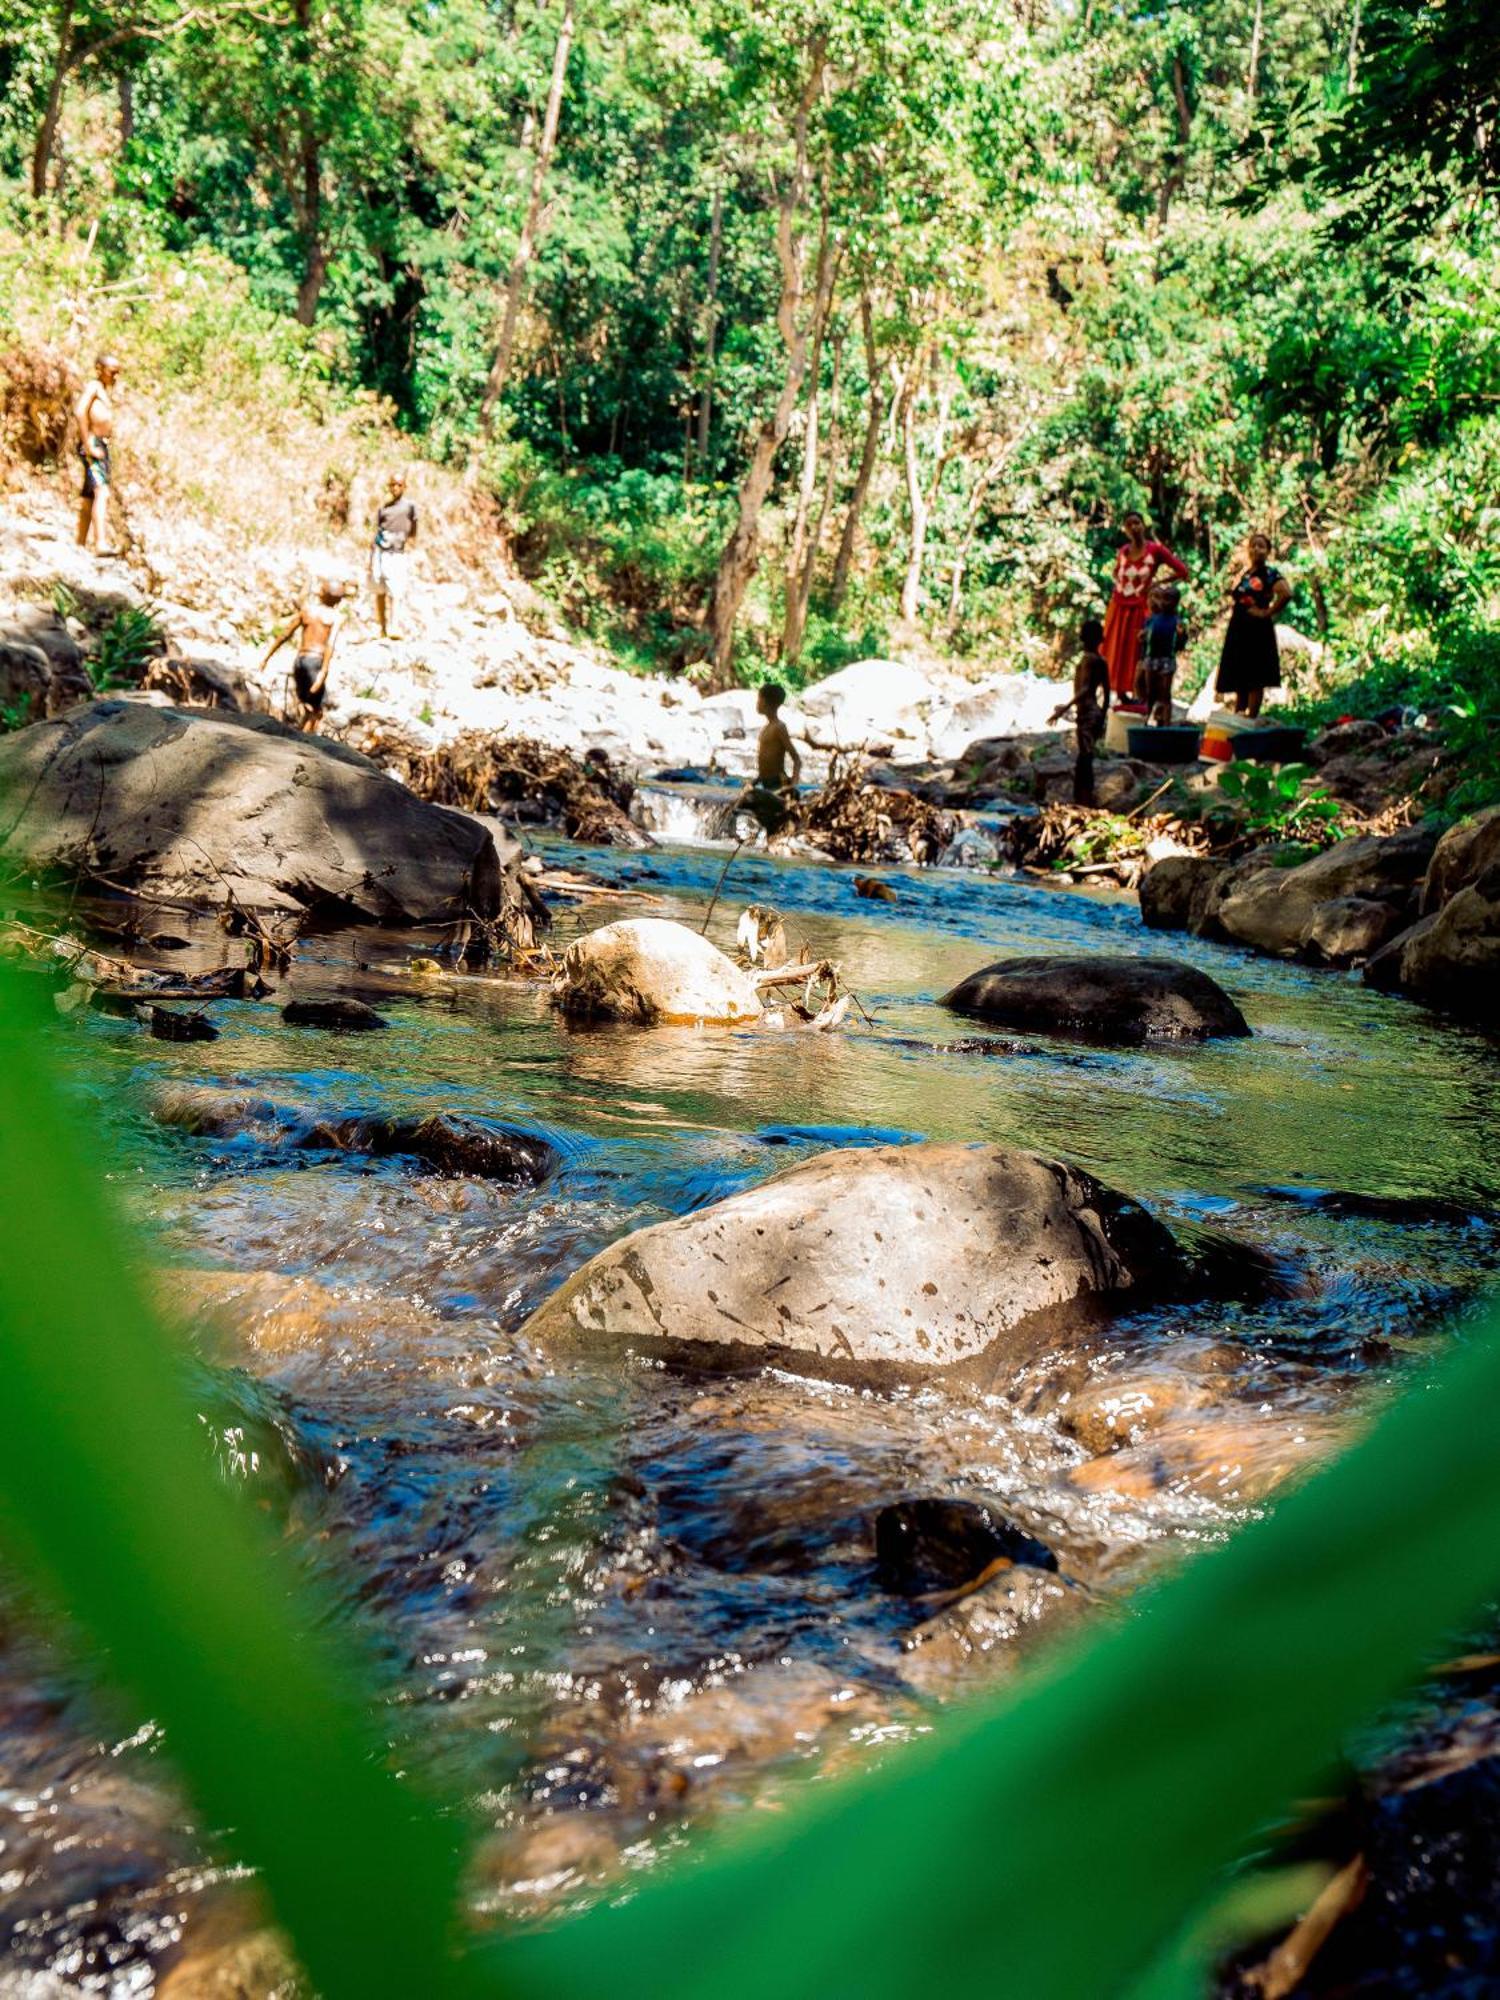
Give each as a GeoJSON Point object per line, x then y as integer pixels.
{"type": "Point", "coordinates": [610, 1601]}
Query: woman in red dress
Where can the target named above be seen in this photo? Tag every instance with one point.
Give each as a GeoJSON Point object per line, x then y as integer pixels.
{"type": "Point", "coordinates": [1136, 565]}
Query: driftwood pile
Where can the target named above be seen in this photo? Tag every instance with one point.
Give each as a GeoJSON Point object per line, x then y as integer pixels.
{"type": "Point", "coordinates": [1081, 840]}
{"type": "Point", "coordinates": [492, 774]}
{"type": "Point", "coordinates": [853, 820]}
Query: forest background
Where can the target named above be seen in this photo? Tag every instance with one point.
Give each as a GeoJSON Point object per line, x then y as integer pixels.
{"type": "Point", "coordinates": [781, 332]}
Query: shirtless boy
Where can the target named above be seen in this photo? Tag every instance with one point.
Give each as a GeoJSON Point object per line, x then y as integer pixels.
{"type": "Point", "coordinates": [317, 622]}
{"type": "Point", "coordinates": [767, 797]}
{"type": "Point", "coordinates": [1089, 703]}
{"type": "Point", "coordinates": [94, 412]}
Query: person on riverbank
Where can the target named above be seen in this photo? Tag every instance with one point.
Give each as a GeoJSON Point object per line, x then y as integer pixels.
{"type": "Point", "coordinates": [1137, 562]}
{"type": "Point", "coordinates": [1163, 637]}
{"type": "Point", "coordinates": [1089, 707]}
{"type": "Point", "coordinates": [95, 415]}
{"type": "Point", "coordinates": [316, 625]}
{"type": "Point", "coordinates": [390, 560]}
{"type": "Point", "coordinates": [768, 798]}
{"type": "Point", "coordinates": [1251, 660]}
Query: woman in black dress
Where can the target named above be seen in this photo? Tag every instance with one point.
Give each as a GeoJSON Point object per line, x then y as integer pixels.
{"type": "Point", "coordinates": [1251, 660]}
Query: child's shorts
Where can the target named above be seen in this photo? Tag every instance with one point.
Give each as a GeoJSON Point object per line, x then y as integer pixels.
{"type": "Point", "coordinates": [1156, 680]}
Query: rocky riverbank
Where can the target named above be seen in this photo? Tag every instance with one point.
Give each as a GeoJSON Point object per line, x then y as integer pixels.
{"type": "Point", "coordinates": [1417, 911]}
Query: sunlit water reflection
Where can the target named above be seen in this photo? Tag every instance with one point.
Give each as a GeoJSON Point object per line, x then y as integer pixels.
{"type": "Point", "coordinates": [612, 1599]}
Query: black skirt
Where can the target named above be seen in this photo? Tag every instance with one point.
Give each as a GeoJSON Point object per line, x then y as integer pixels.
{"type": "Point", "coordinates": [1251, 658]}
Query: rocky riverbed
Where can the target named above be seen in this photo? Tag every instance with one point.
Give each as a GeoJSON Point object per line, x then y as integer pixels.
{"type": "Point", "coordinates": [623, 1590]}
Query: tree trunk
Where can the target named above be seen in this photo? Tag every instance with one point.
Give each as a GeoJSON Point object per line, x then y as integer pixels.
{"type": "Point", "coordinates": [1257, 33]}
{"type": "Point", "coordinates": [972, 512]}
{"type": "Point", "coordinates": [1354, 34]}
{"type": "Point", "coordinates": [742, 551]}
{"type": "Point", "coordinates": [802, 569]}
{"type": "Point", "coordinates": [1176, 172]}
{"type": "Point", "coordinates": [919, 503]}
{"type": "Point", "coordinates": [808, 483]}
{"type": "Point", "coordinates": [308, 211]}
{"type": "Point", "coordinates": [125, 95]}
{"type": "Point", "coordinates": [46, 136]}
{"type": "Point", "coordinates": [710, 329]}
{"type": "Point", "coordinates": [844, 561]}
{"type": "Point", "coordinates": [494, 388]}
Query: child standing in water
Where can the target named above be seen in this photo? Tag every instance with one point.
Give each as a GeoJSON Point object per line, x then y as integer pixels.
{"type": "Point", "coordinates": [1163, 637]}
{"type": "Point", "coordinates": [766, 798]}
{"type": "Point", "coordinates": [1089, 704]}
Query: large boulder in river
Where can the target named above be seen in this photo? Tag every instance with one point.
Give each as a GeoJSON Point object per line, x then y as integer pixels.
{"type": "Point", "coordinates": [197, 804]}
{"type": "Point", "coordinates": [873, 1263]}
{"type": "Point", "coordinates": [1125, 1000]}
{"type": "Point", "coordinates": [1275, 910]}
{"type": "Point", "coordinates": [651, 971]}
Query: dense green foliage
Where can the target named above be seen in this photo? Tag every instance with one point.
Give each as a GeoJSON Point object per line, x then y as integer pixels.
{"type": "Point", "coordinates": [829, 318]}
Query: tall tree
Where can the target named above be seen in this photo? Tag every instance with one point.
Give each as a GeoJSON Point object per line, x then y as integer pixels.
{"type": "Point", "coordinates": [546, 145]}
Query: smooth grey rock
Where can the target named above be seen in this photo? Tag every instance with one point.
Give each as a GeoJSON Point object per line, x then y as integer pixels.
{"type": "Point", "coordinates": [1274, 909]}
{"type": "Point", "coordinates": [874, 1263]}
{"type": "Point", "coordinates": [1126, 1000]}
{"type": "Point", "coordinates": [196, 804]}
{"type": "Point", "coordinates": [650, 970]}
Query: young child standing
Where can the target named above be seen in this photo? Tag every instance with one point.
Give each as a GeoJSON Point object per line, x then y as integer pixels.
{"type": "Point", "coordinates": [317, 622]}
{"type": "Point", "coordinates": [1089, 705]}
{"type": "Point", "coordinates": [1163, 637]}
{"type": "Point", "coordinates": [767, 797]}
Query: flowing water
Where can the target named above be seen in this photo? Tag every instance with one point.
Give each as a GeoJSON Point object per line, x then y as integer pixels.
{"type": "Point", "coordinates": [611, 1600]}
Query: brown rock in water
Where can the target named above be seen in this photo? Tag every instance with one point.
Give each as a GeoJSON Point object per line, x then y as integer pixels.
{"type": "Point", "coordinates": [650, 971]}
{"type": "Point", "coordinates": [1108, 999]}
{"type": "Point", "coordinates": [991, 1632]}
{"type": "Point", "coordinates": [447, 1142]}
{"type": "Point", "coordinates": [200, 804]}
{"type": "Point", "coordinates": [940, 1541]}
{"type": "Point", "coordinates": [338, 1015]}
{"type": "Point", "coordinates": [1382, 969]}
{"type": "Point", "coordinates": [1236, 1458]}
{"type": "Point", "coordinates": [255, 1967]}
{"type": "Point", "coordinates": [875, 1263]}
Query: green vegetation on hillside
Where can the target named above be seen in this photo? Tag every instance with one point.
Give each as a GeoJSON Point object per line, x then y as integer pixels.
{"type": "Point", "coordinates": [779, 328]}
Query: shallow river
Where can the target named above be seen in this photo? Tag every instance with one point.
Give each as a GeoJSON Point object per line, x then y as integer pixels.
{"type": "Point", "coordinates": [611, 1601]}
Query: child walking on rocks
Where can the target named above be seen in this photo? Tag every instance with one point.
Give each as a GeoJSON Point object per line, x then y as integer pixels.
{"type": "Point", "coordinates": [1089, 704]}
{"type": "Point", "coordinates": [316, 624]}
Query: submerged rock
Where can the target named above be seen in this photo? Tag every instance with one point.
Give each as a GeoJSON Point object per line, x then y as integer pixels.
{"type": "Point", "coordinates": [339, 1015]}
{"type": "Point", "coordinates": [201, 804]}
{"type": "Point", "coordinates": [875, 1262]}
{"type": "Point", "coordinates": [1125, 1000]}
{"type": "Point", "coordinates": [942, 1542]}
{"type": "Point", "coordinates": [447, 1142]}
{"type": "Point", "coordinates": [649, 970]}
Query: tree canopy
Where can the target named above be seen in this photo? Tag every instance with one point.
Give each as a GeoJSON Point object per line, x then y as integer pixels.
{"type": "Point", "coordinates": [778, 326]}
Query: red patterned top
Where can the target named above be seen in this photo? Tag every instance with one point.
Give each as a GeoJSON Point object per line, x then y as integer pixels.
{"type": "Point", "coordinates": [1134, 574]}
